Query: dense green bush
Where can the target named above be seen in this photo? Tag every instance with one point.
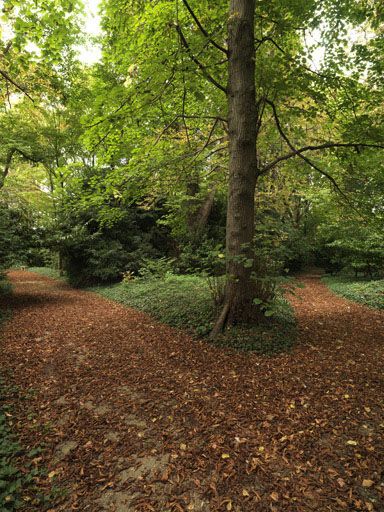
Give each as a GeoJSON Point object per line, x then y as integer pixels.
{"type": "Point", "coordinates": [94, 260]}
{"type": "Point", "coordinates": [159, 268]}
{"type": "Point", "coordinates": [203, 256]}
{"type": "Point", "coordinates": [18, 237]}
{"type": "Point", "coordinates": [94, 253]}
{"type": "Point", "coordinates": [353, 248]}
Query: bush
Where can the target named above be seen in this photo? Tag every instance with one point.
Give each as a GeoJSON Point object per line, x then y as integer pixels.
{"type": "Point", "coordinates": [352, 249]}
{"type": "Point", "coordinates": [92, 259]}
{"type": "Point", "coordinates": [95, 253]}
{"type": "Point", "coordinates": [160, 268]}
{"type": "Point", "coordinates": [206, 256]}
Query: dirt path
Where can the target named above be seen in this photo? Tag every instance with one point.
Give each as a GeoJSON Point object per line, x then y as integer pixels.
{"type": "Point", "coordinates": [139, 417]}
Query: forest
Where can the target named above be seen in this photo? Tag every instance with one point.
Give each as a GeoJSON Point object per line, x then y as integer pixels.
{"type": "Point", "coordinates": [191, 255]}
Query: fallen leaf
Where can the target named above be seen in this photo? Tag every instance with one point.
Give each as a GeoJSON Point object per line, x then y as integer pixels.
{"type": "Point", "coordinates": [368, 483]}
{"type": "Point", "coordinates": [165, 475]}
{"type": "Point", "coordinates": [274, 496]}
{"type": "Point", "coordinates": [342, 503]}
{"type": "Point", "coordinates": [225, 456]}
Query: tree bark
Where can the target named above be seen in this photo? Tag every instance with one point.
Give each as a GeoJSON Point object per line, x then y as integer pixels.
{"type": "Point", "coordinates": [242, 127]}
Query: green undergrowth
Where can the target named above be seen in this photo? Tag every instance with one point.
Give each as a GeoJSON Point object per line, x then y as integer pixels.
{"type": "Point", "coordinates": [184, 301]}
{"type": "Point", "coordinates": [10, 477]}
{"type": "Point", "coordinates": [47, 272]}
{"type": "Point", "coordinates": [367, 292]}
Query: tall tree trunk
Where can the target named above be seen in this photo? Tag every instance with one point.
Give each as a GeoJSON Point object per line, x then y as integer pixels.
{"type": "Point", "coordinates": [205, 210]}
{"type": "Point", "coordinates": [242, 127]}
{"type": "Point", "coordinates": [192, 203]}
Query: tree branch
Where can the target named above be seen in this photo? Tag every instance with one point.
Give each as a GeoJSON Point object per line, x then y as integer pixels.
{"type": "Point", "coordinates": [184, 116]}
{"type": "Point", "coordinates": [8, 162]}
{"type": "Point", "coordinates": [5, 75]}
{"type": "Point", "coordinates": [203, 69]}
{"type": "Point", "coordinates": [326, 145]}
{"type": "Point", "coordinates": [268, 38]}
{"type": "Point", "coordinates": [27, 157]}
{"type": "Point", "coordinates": [296, 152]}
{"type": "Point", "coordinates": [7, 166]}
{"type": "Point", "coordinates": [202, 29]}
{"type": "Point", "coordinates": [289, 57]}
{"type": "Point", "coordinates": [208, 141]}
{"type": "Point", "coordinates": [109, 116]}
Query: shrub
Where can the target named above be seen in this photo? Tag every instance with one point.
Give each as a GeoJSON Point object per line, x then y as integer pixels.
{"type": "Point", "coordinates": [160, 267]}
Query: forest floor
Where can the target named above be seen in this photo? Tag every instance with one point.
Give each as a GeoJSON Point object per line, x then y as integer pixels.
{"type": "Point", "coordinates": [136, 416]}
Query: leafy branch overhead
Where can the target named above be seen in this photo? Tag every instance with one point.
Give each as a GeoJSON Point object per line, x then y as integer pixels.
{"type": "Point", "coordinates": [241, 124]}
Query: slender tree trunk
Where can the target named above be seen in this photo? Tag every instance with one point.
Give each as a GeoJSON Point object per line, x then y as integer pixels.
{"type": "Point", "coordinates": [192, 203]}
{"type": "Point", "coordinates": [205, 210]}
{"type": "Point", "coordinates": [242, 127]}
{"type": "Point", "coordinates": [7, 167]}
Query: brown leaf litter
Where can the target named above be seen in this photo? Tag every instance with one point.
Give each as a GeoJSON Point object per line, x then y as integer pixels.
{"type": "Point", "coordinates": [138, 417]}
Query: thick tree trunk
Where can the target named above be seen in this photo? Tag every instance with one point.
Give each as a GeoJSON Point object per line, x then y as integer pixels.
{"type": "Point", "coordinates": [242, 127]}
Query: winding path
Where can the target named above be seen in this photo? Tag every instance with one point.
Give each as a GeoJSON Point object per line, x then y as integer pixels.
{"type": "Point", "coordinates": [138, 417]}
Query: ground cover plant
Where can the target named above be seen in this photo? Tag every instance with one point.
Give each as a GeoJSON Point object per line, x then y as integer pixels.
{"type": "Point", "coordinates": [185, 302]}
{"type": "Point", "coordinates": [18, 475]}
{"type": "Point", "coordinates": [5, 287]}
{"type": "Point", "coordinates": [47, 272]}
{"type": "Point", "coordinates": [20, 468]}
{"type": "Point", "coordinates": [369, 292]}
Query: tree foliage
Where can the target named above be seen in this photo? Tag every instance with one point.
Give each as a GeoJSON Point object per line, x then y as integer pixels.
{"type": "Point", "coordinates": [129, 159]}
